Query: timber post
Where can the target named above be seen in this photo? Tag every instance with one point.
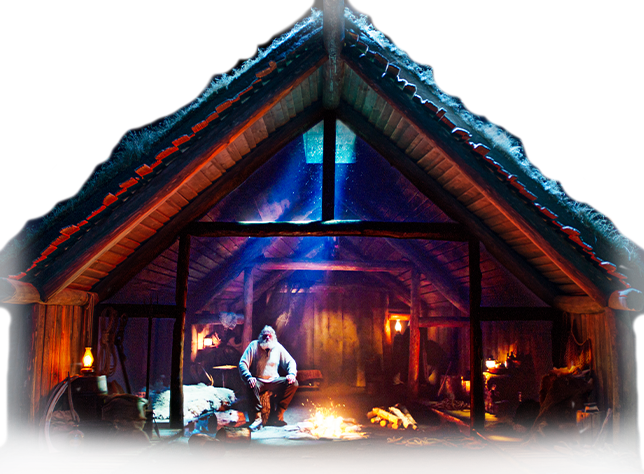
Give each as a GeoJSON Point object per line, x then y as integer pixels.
{"type": "Point", "coordinates": [477, 402]}
{"type": "Point", "coordinates": [623, 378]}
{"type": "Point", "coordinates": [328, 167]}
{"type": "Point", "coordinates": [414, 336]}
{"type": "Point", "coordinates": [247, 334]}
{"type": "Point", "coordinates": [181, 297]}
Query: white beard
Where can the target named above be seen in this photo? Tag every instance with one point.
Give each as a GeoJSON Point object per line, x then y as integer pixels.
{"type": "Point", "coordinates": [268, 345]}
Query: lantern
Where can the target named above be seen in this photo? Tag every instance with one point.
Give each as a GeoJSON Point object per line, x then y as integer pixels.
{"type": "Point", "coordinates": [398, 326]}
{"type": "Point", "coordinates": [87, 360]}
{"type": "Point", "coordinates": [490, 363]}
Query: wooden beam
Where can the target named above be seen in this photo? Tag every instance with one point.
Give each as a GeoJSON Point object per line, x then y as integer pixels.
{"type": "Point", "coordinates": [397, 230]}
{"type": "Point", "coordinates": [518, 314]}
{"type": "Point", "coordinates": [178, 335]}
{"type": "Point", "coordinates": [414, 337]}
{"type": "Point", "coordinates": [18, 292]}
{"type": "Point", "coordinates": [505, 254]}
{"type": "Point", "coordinates": [120, 222]}
{"type": "Point", "coordinates": [627, 300]}
{"type": "Point", "coordinates": [247, 334]}
{"type": "Point", "coordinates": [444, 322]}
{"type": "Point", "coordinates": [434, 272]}
{"type": "Point", "coordinates": [477, 400]}
{"type": "Point", "coordinates": [199, 206]}
{"type": "Point", "coordinates": [577, 304]}
{"type": "Point", "coordinates": [154, 311]}
{"type": "Point", "coordinates": [568, 258]}
{"type": "Point", "coordinates": [333, 35]}
{"type": "Point", "coordinates": [620, 336]}
{"type": "Point", "coordinates": [328, 167]}
{"type": "Point", "coordinates": [386, 266]}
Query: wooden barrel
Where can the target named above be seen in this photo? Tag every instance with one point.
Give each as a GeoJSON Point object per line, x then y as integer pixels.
{"type": "Point", "coordinates": [206, 447]}
{"type": "Point", "coordinates": [234, 437]}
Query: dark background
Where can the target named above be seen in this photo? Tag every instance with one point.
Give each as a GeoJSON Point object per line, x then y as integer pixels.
{"type": "Point", "coordinates": [82, 74]}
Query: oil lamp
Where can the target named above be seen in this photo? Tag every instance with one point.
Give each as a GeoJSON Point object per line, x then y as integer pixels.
{"type": "Point", "coordinates": [490, 363]}
{"type": "Point", "coordinates": [87, 361]}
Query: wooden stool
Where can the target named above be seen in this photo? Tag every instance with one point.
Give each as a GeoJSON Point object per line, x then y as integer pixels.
{"type": "Point", "coordinates": [265, 400]}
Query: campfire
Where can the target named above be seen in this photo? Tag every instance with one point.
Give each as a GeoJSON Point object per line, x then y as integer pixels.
{"type": "Point", "coordinates": [325, 423]}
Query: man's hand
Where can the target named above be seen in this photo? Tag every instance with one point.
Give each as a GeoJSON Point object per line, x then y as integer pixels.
{"type": "Point", "coordinates": [252, 382]}
{"type": "Point", "coordinates": [290, 378]}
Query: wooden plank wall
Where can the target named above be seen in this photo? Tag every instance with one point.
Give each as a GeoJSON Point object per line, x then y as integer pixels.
{"type": "Point", "coordinates": [581, 328]}
{"type": "Point", "coordinates": [57, 345]}
{"type": "Point", "coordinates": [335, 332]}
{"type": "Point", "coordinates": [533, 338]}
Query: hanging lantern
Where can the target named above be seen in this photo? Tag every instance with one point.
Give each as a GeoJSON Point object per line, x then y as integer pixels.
{"type": "Point", "coordinates": [88, 360]}
{"type": "Point", "coordinates": [398, 326]}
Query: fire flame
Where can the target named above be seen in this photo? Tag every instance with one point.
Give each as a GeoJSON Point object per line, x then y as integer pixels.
{"type": "Point", "coordinates": [325, 423]}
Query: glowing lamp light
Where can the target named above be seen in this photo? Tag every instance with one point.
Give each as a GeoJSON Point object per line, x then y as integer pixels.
{"type": "Point", "coordinates": [490, 363]}
{"type": "Point", "coordinates": [88, 360]}
{"type": "Point", "coordinates": [207, 342]}
{"type": "Point", "coordinates": [398, 326]}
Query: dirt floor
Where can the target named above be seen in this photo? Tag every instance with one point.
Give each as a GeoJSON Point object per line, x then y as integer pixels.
{"type": "Point", "coordinates": [437, 444]}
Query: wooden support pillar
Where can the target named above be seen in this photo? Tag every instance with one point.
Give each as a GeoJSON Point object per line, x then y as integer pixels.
{"type": "Point", "coordinates": [247, 335]}
{"type": "Point", "coordinates": [477, 402]}
{"type": "Point", "coordinates": [387, 344]}
{"type": "Point", "coordinates": [623, 378]}
{"type": "Point", "coordinates": [414, 336]}
{"type": "Point", "coordinates": [176, 371]}
{"type": "Point", "coordinates": [328, 167]}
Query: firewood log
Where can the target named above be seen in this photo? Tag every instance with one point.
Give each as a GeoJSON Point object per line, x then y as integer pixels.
{"type": "Point", "coordinates": [206, 447]}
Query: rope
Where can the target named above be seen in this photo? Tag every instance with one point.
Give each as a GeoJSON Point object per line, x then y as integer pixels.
{"type": "Point", "coordinates": [457, 442]}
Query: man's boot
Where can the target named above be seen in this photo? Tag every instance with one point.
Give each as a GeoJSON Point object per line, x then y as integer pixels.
{"type": "Point", "coordinates": [279, 421]}
{"type": "Point", "coordinates": [257, 424]}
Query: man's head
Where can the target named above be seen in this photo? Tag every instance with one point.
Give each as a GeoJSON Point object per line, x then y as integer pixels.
{"type": "Point", "coordinates": [267, 338]}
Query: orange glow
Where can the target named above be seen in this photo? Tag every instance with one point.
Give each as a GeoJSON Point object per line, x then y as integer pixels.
{"type": "Point", "coordinates": [398, 326]}
{"type": "Point", "coordinates": [325, 423]}
{"type": "Point", "coordinates": [88, 360]}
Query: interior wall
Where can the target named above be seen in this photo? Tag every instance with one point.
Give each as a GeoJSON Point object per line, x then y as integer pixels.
{"type": "Point", "coordinates": [531, 343]}
{"type": "Point", "coordinates": [51, 343]}
{"type": "Point", "coordinates": [337, 332]}
{"type": "Point", "coordinates": [591, 335]}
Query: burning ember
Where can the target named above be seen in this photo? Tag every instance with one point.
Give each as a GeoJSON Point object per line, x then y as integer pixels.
{"type": "Point", "coordinates": [325, 423]}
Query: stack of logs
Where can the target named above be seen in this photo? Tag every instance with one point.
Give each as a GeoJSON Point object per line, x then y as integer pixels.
{"type": "Point", "coordinates": [395, 417]}
{"type": "Point", "coordinates": [207, 447]}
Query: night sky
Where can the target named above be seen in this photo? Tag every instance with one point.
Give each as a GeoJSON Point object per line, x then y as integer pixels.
{"type": "Point", "coordinates": [81, 76]}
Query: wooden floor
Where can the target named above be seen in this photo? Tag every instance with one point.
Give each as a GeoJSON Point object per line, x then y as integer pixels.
{"type": "Point", "coordinates": [534, 462]}
{"type": "Point", "coordinates": [102, 462]}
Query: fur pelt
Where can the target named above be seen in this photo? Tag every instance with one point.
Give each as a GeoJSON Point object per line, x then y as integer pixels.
{"type": "Point", "coordinates": [563, 392]}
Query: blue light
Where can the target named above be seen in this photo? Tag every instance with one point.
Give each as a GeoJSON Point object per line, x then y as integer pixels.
{"type": "Point", "coordinates": [345, 141]}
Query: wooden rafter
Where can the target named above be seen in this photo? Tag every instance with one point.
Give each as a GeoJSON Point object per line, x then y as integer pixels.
{"type": "Point", "coordinates": [505, 254]}
{"type": "Point", "coordinates": [396, 230]}
{"type": "Point", "coordinates": [227, 183]}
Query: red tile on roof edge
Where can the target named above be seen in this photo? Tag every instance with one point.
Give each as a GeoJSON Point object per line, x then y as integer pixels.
{"type": "Point", "coordinates": [181, 140]}
{"type": "Point", "coordinates": [109, 199]}
{"type": "Point", "coordinates": [143, 170]}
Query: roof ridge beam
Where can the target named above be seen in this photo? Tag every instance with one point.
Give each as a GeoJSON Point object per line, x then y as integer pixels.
{"type": "Point", "coordinates": [333, 34]}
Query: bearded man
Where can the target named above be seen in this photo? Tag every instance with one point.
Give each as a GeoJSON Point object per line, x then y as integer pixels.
{"type": "Point", "coordinates": [260, 367]}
